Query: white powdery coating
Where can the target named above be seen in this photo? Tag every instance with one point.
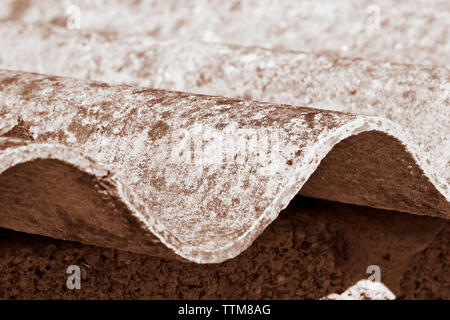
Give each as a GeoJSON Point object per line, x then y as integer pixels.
{"type": "Point", "coordinates": [416, 97]}
{"type": "Point", "coordinates": [218, 218]}
{"type": "Point", "coordinates": [415, 31]}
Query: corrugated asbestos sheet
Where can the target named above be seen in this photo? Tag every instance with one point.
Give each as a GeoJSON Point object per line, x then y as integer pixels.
{"type": "Point", "coordinates": [143, 130]}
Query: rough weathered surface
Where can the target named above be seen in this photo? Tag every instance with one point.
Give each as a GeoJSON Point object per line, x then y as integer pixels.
{"type": "Point", "coordinates": [414, 31]}
{"type": "Point", "coordinates": [204, 175]}
{"type": "Point", "coordinates": [416, 97]}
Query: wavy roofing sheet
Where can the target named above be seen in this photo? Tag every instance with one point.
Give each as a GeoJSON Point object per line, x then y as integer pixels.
{"type": "Point", "coordinates": [162, 172]}
{"type": "Point", "coordinates": [416, 97]}
{"type": "Point", "coordinates": [415, 31]}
